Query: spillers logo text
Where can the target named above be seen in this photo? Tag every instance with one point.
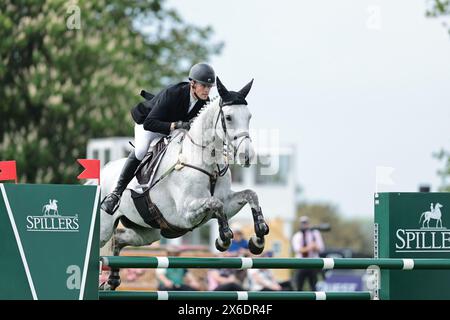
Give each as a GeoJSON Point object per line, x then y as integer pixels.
{"type": "Point", "coordinates": [431, 235]}
{"type": "Point", "coordinates": [51, 220]}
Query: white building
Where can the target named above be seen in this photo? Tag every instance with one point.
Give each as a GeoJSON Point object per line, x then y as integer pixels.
{"type": "Point", "coordinates": [273, 178]}
{"type": "Point", "coordinates": [108, 149]}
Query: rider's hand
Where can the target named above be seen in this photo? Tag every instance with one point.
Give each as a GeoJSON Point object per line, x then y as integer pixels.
{"type": "Point", "coordinates": [182, 125]}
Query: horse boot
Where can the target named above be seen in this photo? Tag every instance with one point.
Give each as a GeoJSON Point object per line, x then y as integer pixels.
{"type": "Point", "coordinates": [111, 202]}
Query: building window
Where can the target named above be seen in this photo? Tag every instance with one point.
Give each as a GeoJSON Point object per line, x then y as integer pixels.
{"type": "Point", "coordinates": [107, 155]}
{"type": "Point", "coordinates": [95, 154]}
{"type": "Point", "coordinates": [272, 170]}
{"type": "Point", "coordinates": [125, 152]}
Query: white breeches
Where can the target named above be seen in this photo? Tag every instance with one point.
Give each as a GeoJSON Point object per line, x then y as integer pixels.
{"type": "Point", "coordinates": [143, 139]}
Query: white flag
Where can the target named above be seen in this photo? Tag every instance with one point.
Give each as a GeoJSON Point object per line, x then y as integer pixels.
{"type": "Point", "coordinates": [383, 175]}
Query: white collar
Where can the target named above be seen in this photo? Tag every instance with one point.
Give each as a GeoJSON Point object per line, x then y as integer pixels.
{"type": "Point", "coordinates": [193, 100]}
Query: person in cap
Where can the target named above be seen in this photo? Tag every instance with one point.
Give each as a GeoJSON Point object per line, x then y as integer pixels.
{"type": "Point", "coordinates": [306, 243]}
{"type": "Point", "coordinates": [172, 108]}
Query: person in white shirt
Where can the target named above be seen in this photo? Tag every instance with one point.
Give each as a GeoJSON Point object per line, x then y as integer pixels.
{"type": "Point", "coordinates": [306, 243]}
{"type": "Point", "coordinates": [262, 280]}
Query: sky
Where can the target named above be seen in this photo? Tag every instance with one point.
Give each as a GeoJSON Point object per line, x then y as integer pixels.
{"type": "Point", "coordinates": [353, 85]}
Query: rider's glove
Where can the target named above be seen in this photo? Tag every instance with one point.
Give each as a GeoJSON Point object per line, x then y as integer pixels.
{"type": "Point", "coordinates": [182, 125]}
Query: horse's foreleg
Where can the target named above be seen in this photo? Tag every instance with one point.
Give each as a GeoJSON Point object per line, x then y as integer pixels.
{"type": "Point", "coordinates": [197, 212]}
{"type": "Point", "coordinates": [235, 201]}
{"type": "Point", "coordinates": [225, 233]}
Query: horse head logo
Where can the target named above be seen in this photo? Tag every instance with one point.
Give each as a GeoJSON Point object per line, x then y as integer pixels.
{"type": "Point", "coordinates": [434, 213]}
{"type": "Point", "coordinates": [52, 206]}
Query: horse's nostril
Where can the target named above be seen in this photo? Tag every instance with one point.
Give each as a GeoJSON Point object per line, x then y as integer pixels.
{"type": "Point", "coordinates": [244, 158]}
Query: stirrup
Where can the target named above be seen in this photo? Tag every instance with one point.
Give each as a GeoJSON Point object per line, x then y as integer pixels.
{"type": "Point", "coordinates": [116, 206]}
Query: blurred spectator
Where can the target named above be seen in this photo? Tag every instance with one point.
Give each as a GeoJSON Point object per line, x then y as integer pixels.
{"type": "Point", "coordinates": [306, 243]}
{"type": "Point", "coordinates": [264, 279]}
{"type": "Point", "coordinates": [134, 274]}
{"type": "Point", "coordinates": [176, 279]}
{"type": "Point", "coordinates": [239, 244]}
{"type": "Point", "coordinates": [226, 279]}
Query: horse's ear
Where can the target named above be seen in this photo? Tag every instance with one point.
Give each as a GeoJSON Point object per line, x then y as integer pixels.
{"type": "Point", "coordinates": [221, 88]}
{"type": "Point", "coordinates": [245, 90]}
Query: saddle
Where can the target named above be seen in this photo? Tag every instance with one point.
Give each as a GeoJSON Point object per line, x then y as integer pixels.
{"type": "Point", "coordinates": [145, 174]}
{"type": "Point", "coordinates": [145, 169]}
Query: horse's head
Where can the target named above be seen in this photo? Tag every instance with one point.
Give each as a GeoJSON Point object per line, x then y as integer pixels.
{"type": "Point", "coordinates": [438, 205]}
{"type": "Point", "coordinates": [235, 120]}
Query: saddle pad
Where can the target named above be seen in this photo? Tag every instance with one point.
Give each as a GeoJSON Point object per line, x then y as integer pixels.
{"type": "Point", "coordinates": [145, 169]}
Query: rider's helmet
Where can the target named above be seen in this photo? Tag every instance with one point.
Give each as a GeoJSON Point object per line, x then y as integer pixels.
{"type": "Point", "coordinates": [203, 73]}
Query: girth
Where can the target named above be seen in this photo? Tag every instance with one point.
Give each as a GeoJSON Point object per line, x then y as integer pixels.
{"type": "Point", "coordinates": [151, 215]}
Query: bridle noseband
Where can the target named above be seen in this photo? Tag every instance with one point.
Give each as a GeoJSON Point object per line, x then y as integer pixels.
{"type": "Point", "coordinates": [244, 134]}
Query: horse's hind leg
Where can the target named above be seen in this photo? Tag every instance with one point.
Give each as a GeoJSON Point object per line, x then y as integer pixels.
{"type": "Point", "coordinates": [138, 236]}
{"type": "Point", "coordinates": [114, 275]}
{"type": "Point", "coordinates": [234, 202]}
{"type": "Point", "coordinates": [107, 226]}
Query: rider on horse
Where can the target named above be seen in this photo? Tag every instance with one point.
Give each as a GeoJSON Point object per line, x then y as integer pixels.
{"type": "Point", "coordinates": [170, 109]}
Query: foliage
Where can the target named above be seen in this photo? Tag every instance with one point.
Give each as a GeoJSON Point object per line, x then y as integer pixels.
{"type": "Point", "coordinates": [62, 83]}
{"type": "Point", "coordinates": [444, 173]}
{"type": "Point", "coordinates": [354, 234]}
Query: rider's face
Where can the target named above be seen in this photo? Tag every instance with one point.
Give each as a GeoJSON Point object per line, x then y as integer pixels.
{"type": "Point", "coordinates": [201, 90]}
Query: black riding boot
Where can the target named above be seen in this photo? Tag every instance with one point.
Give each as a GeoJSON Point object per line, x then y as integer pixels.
{"type": "Point", "coordinates": [112, 200]}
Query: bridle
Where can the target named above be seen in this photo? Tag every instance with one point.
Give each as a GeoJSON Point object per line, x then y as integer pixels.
{"type": "Point", "coordinates": [219, 172]}
{"type": "Point", "coordinates": [226, 138]}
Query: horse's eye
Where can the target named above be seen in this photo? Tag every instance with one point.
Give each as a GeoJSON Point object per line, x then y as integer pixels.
{"type": "Point", "coordinates": [228, 118]}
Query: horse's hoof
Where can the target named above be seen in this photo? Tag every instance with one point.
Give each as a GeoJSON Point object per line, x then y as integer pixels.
{"type": "Point", "coordinates": [256, 244]}
{"type": "Point", "coordinates": [114, 283]}
{"type": "Point", "coordinates": [222, 246]}
{"type": "Point", "coordinates": [104, 286]}
{"type": "Point", "coordinates": [226, 234]}
{"type": "Point", "coordinates": [261, 229]}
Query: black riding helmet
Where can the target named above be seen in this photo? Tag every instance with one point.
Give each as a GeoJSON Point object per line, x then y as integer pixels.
{"type": "Point", "coordinates": [202, 73]}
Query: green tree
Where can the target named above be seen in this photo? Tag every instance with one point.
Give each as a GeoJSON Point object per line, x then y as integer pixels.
{"type": "Point", "coordinates": [355, 234]}
{"type": "Point", "coordinates": [441, 8]}
{"type": "Point", "coordinates": [438, 8]}
{"type": "Point", "coordinates": [71, 71]}
{"type": "Point", "coordinates": [444, 173]}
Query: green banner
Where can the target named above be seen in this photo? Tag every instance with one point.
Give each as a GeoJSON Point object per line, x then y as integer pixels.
{"type": "Point", "coordinates": [49, 241]}
{"type": "Point", "coordinates": [413, 225]}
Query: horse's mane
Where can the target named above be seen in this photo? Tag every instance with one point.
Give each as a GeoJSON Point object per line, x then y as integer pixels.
{"type": "Point", "coordinates": [206, 112]}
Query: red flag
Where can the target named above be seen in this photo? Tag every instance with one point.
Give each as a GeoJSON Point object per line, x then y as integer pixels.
{"type": "Point", "coordinates": [91, 169]}
{"type": "Point", "coordinates": [8, 170]}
